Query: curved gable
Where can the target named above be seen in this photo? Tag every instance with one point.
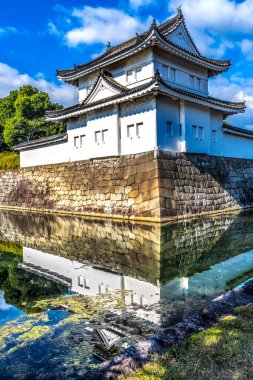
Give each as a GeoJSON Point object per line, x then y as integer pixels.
{"type": "Point", "coordinates": [181, 37]}
{"type": "Point", "coordinates": [103, 89]}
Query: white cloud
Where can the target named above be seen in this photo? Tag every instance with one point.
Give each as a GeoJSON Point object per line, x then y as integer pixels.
{"type": "Point", "coordinates": [11, 79]}
{"type": "Point", "coordinates": [100, 25]}
{"type": "Point", "coordinates": [213, 22]}
{"type": "Point", "coordinates": [7, 30]}
{"type": "Point", "coordinates": [237, 88]}
{"type": "Point", "coordinates": [139, 3]}
{"type": "Point", "coordinates": [247, 49]}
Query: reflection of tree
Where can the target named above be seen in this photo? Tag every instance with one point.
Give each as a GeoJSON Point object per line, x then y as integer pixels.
{"type": "Point", "coordinates": [22, 288]}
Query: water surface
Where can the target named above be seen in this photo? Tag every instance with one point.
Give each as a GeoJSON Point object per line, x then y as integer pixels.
{"type": "Point", "coordinates": [158, 275]}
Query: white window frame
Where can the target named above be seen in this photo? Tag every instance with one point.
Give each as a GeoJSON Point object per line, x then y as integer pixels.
{"type": "Point", "coordinates": [195, 132]}
{"type": "Point", "coordinates": [137, 71]}
{"type": "Point", "coordinates": [97, 135]}
{"type": "Point", "coordinates": [170, 128]}
{"type": "Point", "coordinates": [130, 127]}
{"type": "Point", "coordinates": [201, 134]}
{"type": "Point", "coordinates": [173, 73]}
{"type": "Point", "coordinates": [129, 77]}
{"type": "Point", "coordinates": [214, 136]}
{"type": "Point", "coordinates": [138, 125]}
{"type": "Point", "coordinates": [82, 139]}
{"type": "Point", "coordinates": [165, 72]}
{"type": "Point", "coordinates": [77, 142]}
{"type": "Point", "coordinates": [104, 134]}
{"type": "Point", "coordinates": [191, 80]}
{"type": "Point", "coordinates": [198, 83]}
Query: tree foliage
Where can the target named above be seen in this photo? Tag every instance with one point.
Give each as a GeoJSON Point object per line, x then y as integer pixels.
{"type": "Point", "coordinates": [22, 117]}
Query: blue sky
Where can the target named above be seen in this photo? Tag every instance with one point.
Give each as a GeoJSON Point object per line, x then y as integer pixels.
{"type": "Point", "coordinates": [38, 37]}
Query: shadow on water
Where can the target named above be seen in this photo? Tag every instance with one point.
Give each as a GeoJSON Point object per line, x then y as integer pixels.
{"type": "Point", "coordinates": [161, 273]}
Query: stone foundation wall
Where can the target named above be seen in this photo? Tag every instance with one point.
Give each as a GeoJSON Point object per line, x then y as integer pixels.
{"type": "Point", "coordinates": [122, 186]}
{"type": "Point", "coordinates": [197, 183]}
{"type": "Point", "coordinates": [153, 185]}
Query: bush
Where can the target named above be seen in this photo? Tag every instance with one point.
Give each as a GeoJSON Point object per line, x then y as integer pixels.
{"type": "Point", "coordinates": [9, 161]}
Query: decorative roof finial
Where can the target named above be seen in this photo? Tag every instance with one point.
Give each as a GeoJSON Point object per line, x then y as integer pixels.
{"type": "Point", "coordinates": [108, 46]}
{"type": "Point", "coordinates": [157, 75]}
{"type": "Point", "coordinates": [154, 24]}
{"type": "Point", "coordinates": [138, 37]}
{"type": "Point", "coordinates": [179, 11]}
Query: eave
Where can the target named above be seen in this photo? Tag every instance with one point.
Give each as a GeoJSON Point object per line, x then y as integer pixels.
{"type": "Point", "coordinates": [238, 132]}
{"type": "Point", "coordinates": [85, 107]}
{"type": "Point", "coordinates": [42, 142]}
{"type": "Point", "coordinates": [228, 108]}
{"type": "Point", "coordinates": [155, 86]}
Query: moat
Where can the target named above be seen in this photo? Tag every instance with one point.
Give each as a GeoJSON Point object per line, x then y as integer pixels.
{"type": "Point", "coordinates": [74, 292]}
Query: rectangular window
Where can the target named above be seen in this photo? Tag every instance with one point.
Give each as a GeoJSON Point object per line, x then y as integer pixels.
{"type": "Point", "coordinates": [138, 129]}
{"type": "Point", "coordinates": [76, 141]}
{"type": "Point", "coordinates": [195, 132]}
{"type": "Point", "coordinates": [104, 135]}
{"type": "Point", "coordinates": [198, 81]}
{"type": "Point", "coordinates": [82, 140]}
{"type": "Point", "coordinates": [173, 74]}
{"type": "Point", "coordinates": [81, 281]}
{"type": "Point", "coordinates": [201, 133]}
{"type": "Point", "coordinates": [130, 76]}
{"type": "Point", "coordinates": [170, 131]}
{"type": "Point", "coordinates": [97, 137]}
{"type": "Point", "coordinates": [130, 131]}
{"type": "Point", "coordinates": [192, 81]}
{"type": "Point", "coordinates": [138, 71]}
{"type": "Point", "coordinates": [88, 90]}
{"type": "Point", "coordinates": [214, 132]}
{"type": "Point", "coordinates": [165, 72]}
{"type": "Point", "coordinates": [86, 283]}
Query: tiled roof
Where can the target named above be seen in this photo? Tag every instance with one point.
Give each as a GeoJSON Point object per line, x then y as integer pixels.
{"type": "Point", "coordinates": [43, 141]}
{"type": "Point", "coordinates": [237, 131]}
{"type": "Point", "coordinates": [233, 106]}
{"type": "Point", "coordinates": [84, 105]}
{"type": "Point", "coordinates": [163, 30]}
{"type": "Point", "coordinates": [222, 103]}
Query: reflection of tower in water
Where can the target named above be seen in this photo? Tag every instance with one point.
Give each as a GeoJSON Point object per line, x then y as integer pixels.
{"type": "Point", "coordinates": [146, 263]}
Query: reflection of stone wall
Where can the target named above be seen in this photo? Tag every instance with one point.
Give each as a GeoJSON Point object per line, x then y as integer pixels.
{"type": "Point", "coordinates": [120, 247]}
{"type": "Point", "coordinates": [146, 252]}
{"type": "Point", "coordinates": [140, 186]}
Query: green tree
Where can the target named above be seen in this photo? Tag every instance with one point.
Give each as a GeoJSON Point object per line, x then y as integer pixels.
{"type": "Point", "coordinates": [22, 117]}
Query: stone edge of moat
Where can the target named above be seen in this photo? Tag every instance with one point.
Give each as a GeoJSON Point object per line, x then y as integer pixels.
{"type": "Point", "coordinates": [124, 218]}
{"type": "Point", "coordinates": [137, 355]}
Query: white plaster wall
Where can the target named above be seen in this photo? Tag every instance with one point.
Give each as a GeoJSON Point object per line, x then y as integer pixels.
{"type": "Point", "coordinates": [183, 72]}
{"type": "Point", "coordinates": [236, 146]}
{"type": "Point", "coordinates": [52, 154]}
{"type": "Point", "coordinates": [199, 116]}
{"type": "Point", "coordinates": [143, 59]}
{"type": "Point", "coordinates": [104, 122]}
{"type": "Point", "coordinates": [168, 111]}
{"type": "Point", "coordinates": [139, 111]}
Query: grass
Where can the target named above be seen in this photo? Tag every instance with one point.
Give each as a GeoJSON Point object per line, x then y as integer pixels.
{"type": "Point", "coordinates": [225, 351]}
{"type": "Point", "coordinates": [9, 161]}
